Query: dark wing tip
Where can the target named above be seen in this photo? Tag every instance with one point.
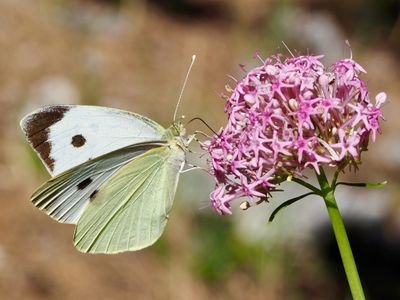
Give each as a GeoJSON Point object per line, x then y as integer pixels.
{"type": "Point", "coordinates": [36, 128]}
{"type": "Point", "coordinates": [43, 118]}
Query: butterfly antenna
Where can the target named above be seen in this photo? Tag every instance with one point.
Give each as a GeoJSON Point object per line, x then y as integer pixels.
{"type": "Point", "coordinates": [204, 122]}
{"type": "Point", "coordinates": [183, 87]}
{"type": "Point", "coordinates": [287, 48]}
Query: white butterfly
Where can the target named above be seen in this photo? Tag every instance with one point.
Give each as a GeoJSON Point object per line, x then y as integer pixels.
{"type": "Point", "coordinates": [114, 173]}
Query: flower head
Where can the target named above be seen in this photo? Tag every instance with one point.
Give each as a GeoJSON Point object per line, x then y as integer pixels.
{"type": "Point", "coordinates": [288, 115]}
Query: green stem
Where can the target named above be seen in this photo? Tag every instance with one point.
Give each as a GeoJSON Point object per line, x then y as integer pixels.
{"type": "Point", "coordinates": [341, 238]}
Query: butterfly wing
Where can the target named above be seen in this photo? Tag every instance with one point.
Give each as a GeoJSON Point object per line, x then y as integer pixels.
{"type": "Point", "coordinates": [65, 136]}
{"type": "Point", "coordinates": [64, 197]}
{"type": "Point", "coordinates": [131, 210]}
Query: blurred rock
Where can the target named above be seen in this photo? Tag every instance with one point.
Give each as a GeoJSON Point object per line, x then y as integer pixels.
{"type": "Point", "coordinates": [315, 30]}
{"type": "Point", "coordinates": [373, 22]}
{"type": "Point", "coordinates": [93, 16]}
{"type": "Point", "coordinates": [56, 89]}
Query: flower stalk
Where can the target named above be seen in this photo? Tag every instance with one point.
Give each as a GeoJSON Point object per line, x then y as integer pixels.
{"type": "Point", "coordinates": [341, 237]}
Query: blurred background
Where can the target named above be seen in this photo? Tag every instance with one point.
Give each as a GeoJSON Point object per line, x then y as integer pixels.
{"type": "Point", "coordinates": [133, 55]}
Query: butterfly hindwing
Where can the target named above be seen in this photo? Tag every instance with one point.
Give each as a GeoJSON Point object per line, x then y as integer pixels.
{"type": "Point", "coordinates": [130, 210]}
{"type": "Point", "coordinates": [65, 196]}
{"type": "Point", "coordinates": [65, 136]}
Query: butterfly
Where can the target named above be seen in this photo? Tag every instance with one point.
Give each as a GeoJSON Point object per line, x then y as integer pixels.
{"type": "Point", "coordinates": [114, 173]}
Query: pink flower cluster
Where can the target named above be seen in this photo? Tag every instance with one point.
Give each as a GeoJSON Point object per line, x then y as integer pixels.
{"type": "Point", "coordinates": [288, 115]}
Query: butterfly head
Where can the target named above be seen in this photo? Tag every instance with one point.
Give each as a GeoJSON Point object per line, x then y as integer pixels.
{"type": "Point", "coordinates": [177, 133]}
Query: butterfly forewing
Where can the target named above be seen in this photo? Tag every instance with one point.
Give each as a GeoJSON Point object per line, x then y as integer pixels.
{"type": "Point", "coordinates": [65, 136]}
{"type": "Point", "coordinates": [131, 209]}
{"type": "Point", "coordinates": [65, 196]}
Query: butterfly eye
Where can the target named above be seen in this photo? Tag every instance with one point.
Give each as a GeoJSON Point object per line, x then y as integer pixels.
{"type": "Point", "coordinates": [175, 129]}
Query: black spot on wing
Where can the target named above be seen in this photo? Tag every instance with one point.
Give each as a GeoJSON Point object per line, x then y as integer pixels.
{"type": "Point", "coordinates": [36, 129]}
{"type": "Point", "coordinates": [84, 184]}
{"type": "Point", "coordinates": [78, 140]}
{"type": "Point", "coordinates": [92, 195]}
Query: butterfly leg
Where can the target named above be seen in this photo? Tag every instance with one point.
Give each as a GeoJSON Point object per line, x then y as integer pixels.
{"type": "Point", "coordinates": [191, 169]}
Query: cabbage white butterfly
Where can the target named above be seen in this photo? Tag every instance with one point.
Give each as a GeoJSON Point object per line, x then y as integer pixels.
{"type": "Point", "coordinates": [114, 173]}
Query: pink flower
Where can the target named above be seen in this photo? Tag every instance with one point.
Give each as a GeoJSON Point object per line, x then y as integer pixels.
{"type": "Point", "coordinates": [288, 115]}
